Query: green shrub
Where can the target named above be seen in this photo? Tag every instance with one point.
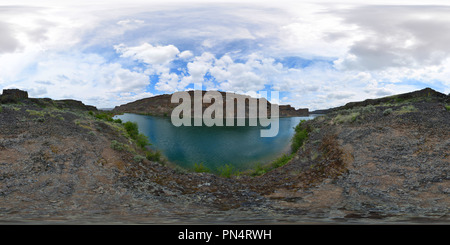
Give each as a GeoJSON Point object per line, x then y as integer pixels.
{"type": "Point", "coordinates": [154, 156]}
{"type": "Point", "coordinates": [142, 141]}
{"type": "Point", "coordinates": [226, 171]}
{"type": "Point", "coordinates": [387, 111]}
{"type": "Point", "coordinates": [138, 158]}
{"type": "Point", "coordinates": [201, 168]}
{"type": "Point", "coordinates": [118, 120]}
{"type": "Point", "coordinates": [115, 145]}
{"type": "Point", "coordinates": [369, 109]}
{"type": "Point", "coordinates": [132, 129]}
{"type": "Point", "coordinates": [301, 134]}
{"type": "Point", "coordinates": [298, 139]}
{"type": "Point", "coordinates": [107, 116]}
{"type": "Point", "coordinates": [447, 107]}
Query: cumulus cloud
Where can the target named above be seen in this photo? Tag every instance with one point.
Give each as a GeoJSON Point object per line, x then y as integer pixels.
{"type": "Point", "coordinates": [168, 82]}
{"type": "Point", "coordinates": [149, 54]}
{"type": "Point", "coordinates": [186, 55]}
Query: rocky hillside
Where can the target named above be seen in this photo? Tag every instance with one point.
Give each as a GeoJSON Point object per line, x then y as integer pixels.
{"type": "Point", "coordinates": [160, 105]}
{"type": "Point", "coordinates": [387, 162]}
{"type": "Point", "coordinates": [379, 163]}
{"type": "Point", "coordinates": [424, 94]}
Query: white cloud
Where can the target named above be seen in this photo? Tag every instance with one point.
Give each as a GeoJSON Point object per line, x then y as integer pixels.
{"type": "Point", "coordinates": [168, 82]}
{"type": "Point", "coordinates": [147, 53]}
{"type": "Point", "coordinates": [126, 97]}
{"type": "Point", "coordinates": [185, 55]}
{"type": "Point", "coordinates": [129, 22]}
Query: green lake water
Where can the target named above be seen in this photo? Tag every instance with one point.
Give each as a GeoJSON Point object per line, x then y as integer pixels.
{"type": "Point", "coordinates": [242, 147]}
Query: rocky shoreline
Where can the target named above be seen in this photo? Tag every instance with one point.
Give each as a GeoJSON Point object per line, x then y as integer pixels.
{"type": "Point", "coordinates": [383, 163]}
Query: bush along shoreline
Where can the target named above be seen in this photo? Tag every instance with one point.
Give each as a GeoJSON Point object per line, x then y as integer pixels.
{"type": "Point", "coordinates": [132, 132]}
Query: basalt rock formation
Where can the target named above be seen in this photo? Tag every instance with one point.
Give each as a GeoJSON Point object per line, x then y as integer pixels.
{"type": "Point", "coordinates": [161, 105]}
{"type": "Point", "coordinates": [13, 95]}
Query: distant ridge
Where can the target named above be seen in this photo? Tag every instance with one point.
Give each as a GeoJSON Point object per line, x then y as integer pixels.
{"type": "Point", "coordinates": [423, 94]}
{"type": "Point", "coordinates": [160, 105]}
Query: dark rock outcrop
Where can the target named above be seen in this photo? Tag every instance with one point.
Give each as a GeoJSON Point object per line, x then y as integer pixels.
{"type": "Point", "coordinates": [13, 95]}
{"type": "Point", "coordinates": [289, 111]}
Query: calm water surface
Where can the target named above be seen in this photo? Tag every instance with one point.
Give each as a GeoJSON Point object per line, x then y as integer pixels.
{"type": "Point", "coordinates": [241, 147]}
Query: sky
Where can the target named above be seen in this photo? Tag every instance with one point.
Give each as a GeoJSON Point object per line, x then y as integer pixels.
{"type": "Point", "coordinates": [316, 54]}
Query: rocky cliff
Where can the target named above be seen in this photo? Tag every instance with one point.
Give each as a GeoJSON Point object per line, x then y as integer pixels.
{"type": "Point", "coordinates": [161, 106]}
{"type": "Point", "coordinates": [13, 95]}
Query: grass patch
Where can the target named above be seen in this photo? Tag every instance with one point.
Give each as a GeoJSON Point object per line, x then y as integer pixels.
{"type": "Point", "coordinates": [281, 161]}
{"type": "Point", "coordinates": [447, 107]}
{"type": "Point", "coordinates": [79, 123]}
{"type": "Point", "coordinates": [260, 169]}
{"type": "Point", "coordinates": [406, 109]}
{"type": "Point", "coordinates": [201, 168]}
{"type": "Point", "coordinates": [341, 118]}
{"type": "Point", "coordinates": [36, 113]}
{"type": "Point", "coordinates": [354, 114]}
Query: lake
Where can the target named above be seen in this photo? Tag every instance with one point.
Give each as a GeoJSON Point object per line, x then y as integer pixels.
{"type": "Point", "coordinates": [242, 147]}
